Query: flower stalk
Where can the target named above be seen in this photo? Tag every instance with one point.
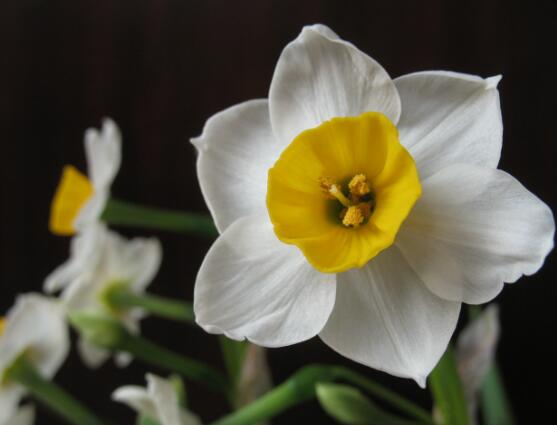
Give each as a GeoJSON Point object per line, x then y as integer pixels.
{"type": "Point", "coordinates": [301, 387]}
{"type": "Point", "coordinates": [119, 297]}
{"type": "Point", "coordinates": [122, 213]}
{"type": "Point", "coordinates": [109, 334]}
{"type": "Point", "coordinates": [50, 394]}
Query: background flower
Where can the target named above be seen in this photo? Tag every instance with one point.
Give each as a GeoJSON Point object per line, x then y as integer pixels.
{"type": "Point", "coordinates": [100, 259]}
{"type": "Point", "coordinates": [35, 327]}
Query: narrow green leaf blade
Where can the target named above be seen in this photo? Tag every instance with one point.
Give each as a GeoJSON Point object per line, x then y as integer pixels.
{"type": "Point", "coordinates": [496, 408]}
{"type": "Point", "coordinates": [349, 406]}
{"type": "Point", "coordinates": [447, 391]}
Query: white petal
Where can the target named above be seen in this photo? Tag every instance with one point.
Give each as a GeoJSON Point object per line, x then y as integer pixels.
{"type": "Point", "coordinates": [134, 260]}
{"type": "Point", "coordinates": [137, 398]}
{"type": "Point", "coordinates": [35, 324]}
{"type": "Point", "coordinates": [85, 253]}
{"type": "Point", "coordinates": [448, 117]}
{"type": "Point", "coordinates": [473, 229]}
{"type": "Point", "coordinates": [104, 154]}
{"type": "Point", "coordinates": [385, 318]}
{"type": "Point", "coordinates": [24, 416]}
{"type": "Point", "coordinates": [164, 396]}
{"type": "Point", "coordinates": [10, 396]}
{"type": "Point", "coordinates": [236, 149]}
{"type": "Point", "coordinates": [253, 286]}
{"type": "Point", "coordinates": [91, 212]}
{"type": "Point", "coordinates": [318, 77]}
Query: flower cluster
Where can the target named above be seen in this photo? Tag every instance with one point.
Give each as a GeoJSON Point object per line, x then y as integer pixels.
{"type": "Point", "coordinates": [349, 205]}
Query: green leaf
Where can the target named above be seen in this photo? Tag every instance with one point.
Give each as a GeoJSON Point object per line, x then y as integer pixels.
{"type": "Point", "coordinates": [447, 391]}
{"type": "Point", "coordinates": [349, 406]}
{"type": "Point", "coordinates": [496, 408]}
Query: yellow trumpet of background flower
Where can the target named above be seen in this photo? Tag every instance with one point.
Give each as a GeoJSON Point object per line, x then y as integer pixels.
{"type": "Point", "coordinates": [72, 193]}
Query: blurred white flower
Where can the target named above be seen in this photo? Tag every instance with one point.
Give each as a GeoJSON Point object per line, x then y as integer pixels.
{"type": "Point", "coordinates": [314, 192]}
{"type": "Point", "coordinates": [80, 200]}
{"type": "Point", "coordinates": [475, 354]}
{"type": "Point", "coordinates": [36, 328]}
{"type": "Point", "coordinates": [100, 259]}
{"type": "Point", "coordinates": [24, 415]}
{"type": "Point", "coordinates": [158, 401]}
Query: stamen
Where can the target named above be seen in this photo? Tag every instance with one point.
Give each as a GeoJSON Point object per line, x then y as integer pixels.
{"type": "Point", "coordinates": [358, 186]}
{"type": "Point", "coordinates": [337, 193]}
{"type": "Point", "coordinates": [356, 210]}
{"type": "Point", "coordinates": [353, 216]}
{"type": "Point", "coordinates": [2, 325]}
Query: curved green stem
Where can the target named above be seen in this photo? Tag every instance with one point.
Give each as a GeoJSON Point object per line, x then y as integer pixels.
{"type": "Point", "coordinates": [122, 213]}
{"type": "Point", "coordinates": [300, 387]}
{"type": "Point", "coordinates": [297, 389]}
{"type": "Point", "coordinates": [51, 395]}
{"type": "Point", "coordinates": [156, 355]}
{"type": "Point", "coordinates": [119, 297]}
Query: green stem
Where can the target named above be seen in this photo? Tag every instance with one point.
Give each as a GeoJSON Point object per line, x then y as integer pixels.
{"type": "Point", "coordinates": [119, 297]}
{"type": "Point", "coordinates": [122, 213]}
{"type": "Point", "coordinates": [297, 389]}
{"type": "Point", "coordinates": [384, 394]}
{"type": "Point", "coordinates": [156, 355]}
{"type": "Point", "coordinates": [51, 395]}
{"type": "Point", "coordinates": [300, 387]}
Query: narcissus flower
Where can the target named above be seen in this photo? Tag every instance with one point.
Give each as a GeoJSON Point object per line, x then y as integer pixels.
{"type": "Point", "coordinates": [158, 402]}
{"type": "Point", "coordinates": [361, 209]}
{"type": "Point", "coordinates": [35, 327]}
{"type": "Point", "coordinates": [99, 260]}
{"type": "Point", "coordinates": [80, 200]}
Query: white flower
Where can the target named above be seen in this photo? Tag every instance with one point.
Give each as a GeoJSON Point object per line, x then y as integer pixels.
{"type": "Point", "coordinates": [35, 327]}
{"type": "Point", "coordinates": [24, 415]}
{"type": "Point", "coordinates": [99, 259]}
{"type": "Point", "coordinates": [158, 402]}
{"type": "Point", "coordinates": [272, 170]}
{"type": "Point", "coordinates": [80, 200]}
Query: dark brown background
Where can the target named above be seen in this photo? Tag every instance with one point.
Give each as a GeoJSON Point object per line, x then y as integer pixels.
{"type": "Point", "coordinates": [161, 68]}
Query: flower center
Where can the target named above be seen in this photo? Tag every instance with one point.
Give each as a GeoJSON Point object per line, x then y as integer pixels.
{"type": "Point", "coordinates": [358, 201]}
{"type": "Point", "coordinates": [340, 191]}
{"type": "Point", "coordinates": [2, 325]}
{"type": "Point", "coordinates": [72, 193]}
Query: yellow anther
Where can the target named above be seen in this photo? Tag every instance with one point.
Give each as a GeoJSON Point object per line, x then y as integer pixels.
{"type": "Point", "coordinates": [73, 191]}
{"type": "Point", "coordinates": [325, 183]}
{"type": "Point", "coordinates": [353, 216]}
{"type": "Point", "coordinates": [2, 325]}
{"type": "Point", "coordinates": [358, 186]}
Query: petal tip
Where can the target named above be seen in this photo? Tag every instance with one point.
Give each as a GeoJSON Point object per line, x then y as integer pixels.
{"type": "Point", "coordinates": [492, 82]}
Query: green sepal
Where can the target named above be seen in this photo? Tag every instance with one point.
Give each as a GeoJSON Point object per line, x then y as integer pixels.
{"type": "Point", "coordinates": [349, 406]}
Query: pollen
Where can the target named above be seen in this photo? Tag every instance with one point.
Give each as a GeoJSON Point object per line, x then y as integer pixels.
{"type": "Point", "coordinates": [358, 186]}
{"type": "Point", "coordinates": [353, 217]}
{"type": "Point", "coordinates": [2, 325]}
{"type": "Point", "coordinates": [358, 206]}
